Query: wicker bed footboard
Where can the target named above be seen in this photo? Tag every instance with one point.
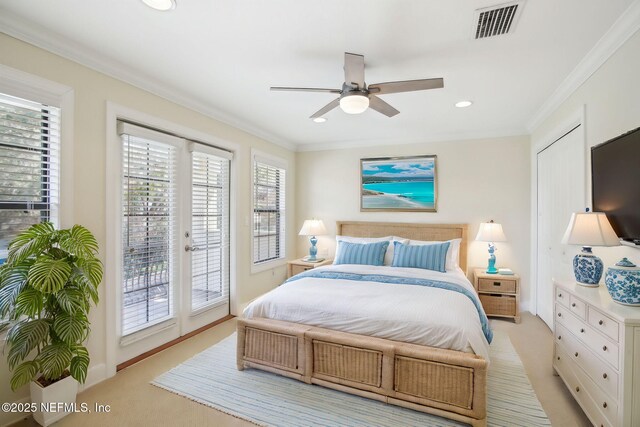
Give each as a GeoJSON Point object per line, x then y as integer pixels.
{"type": "Point", "coordinates": [447, 383]}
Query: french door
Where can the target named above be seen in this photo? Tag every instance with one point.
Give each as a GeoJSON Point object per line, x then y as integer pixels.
{"type": "Point", "coordinates": [174, 264]}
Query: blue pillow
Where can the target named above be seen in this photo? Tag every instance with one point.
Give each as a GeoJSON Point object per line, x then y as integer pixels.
{"type": "Point", "coordinates": [429, 257]}
{"type": "Point", "coordinates": [361, 253]}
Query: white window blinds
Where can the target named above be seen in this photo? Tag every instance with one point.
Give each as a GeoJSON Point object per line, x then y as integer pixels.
{"type": "Point", "coordinates": [149, 225]}
{"type": "Point", "coordinates": [29, 166]}
{"type": "Point", "coordinates": [209, 229]}
{"type": "Point", "coordinates": [268, 211]}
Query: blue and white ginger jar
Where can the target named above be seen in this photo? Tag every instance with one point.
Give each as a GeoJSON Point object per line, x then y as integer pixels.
{"type": "Point", "coordinates": [623, 282]}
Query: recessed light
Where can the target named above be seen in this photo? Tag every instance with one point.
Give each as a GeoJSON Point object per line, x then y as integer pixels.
{"type": "Point", "coordinates": [320, 119]}
{"type": "Point", "coordinates": [162, 5]}
{"type": "Point", "coordinates": [463, 104]}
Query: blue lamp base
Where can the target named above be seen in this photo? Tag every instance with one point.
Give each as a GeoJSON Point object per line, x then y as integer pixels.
{"type": "Point", "coordinates": [587, 268]}
{"type": "Point", "coordinates": [491, 268]}
{"type": "Point", "coordinates": [313, 250]}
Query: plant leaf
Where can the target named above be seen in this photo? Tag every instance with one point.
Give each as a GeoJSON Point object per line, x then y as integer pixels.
{"type": "Point", "coordinates": [23, 337]}
{"type": "Point", "coordinates": [54, 359]}
{"type": "Point", "coordinates": [12, 280]}
{"type": "Point", "coordinates": [49, 275]}
{"type": "Point", "coordinates": [92, 269]}
{"type": "Point", "coordinates": [72, 300]}
{"type": "Point", "coordinates": [80, 364]}
{"type": "Point", "coordinates": [24, 374]}
{"type": "Point", "coordinates": [31, 242]}
{"type": "Point", "coordinates": [79, 241]}
{"type": "Point", "coordinates": [71, 328]}
{"type": "Point", "coordinates": [29, 302]}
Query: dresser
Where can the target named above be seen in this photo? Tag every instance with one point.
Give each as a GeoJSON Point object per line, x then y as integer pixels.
{"type": "Point", "coordinates": [597, 353]}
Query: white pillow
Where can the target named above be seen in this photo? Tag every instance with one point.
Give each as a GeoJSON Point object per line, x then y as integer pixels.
{"type": "Point", "coordinates": [453, 253]}
{"type": "Point", "coordinates": [388, 256]}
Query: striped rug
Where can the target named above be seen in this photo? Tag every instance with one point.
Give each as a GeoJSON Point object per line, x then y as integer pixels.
{"type": "Point", "coordinates": [266, 399]}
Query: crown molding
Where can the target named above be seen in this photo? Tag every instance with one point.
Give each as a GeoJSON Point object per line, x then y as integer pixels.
{"type": "Point", "coordinates": [443, 137]}
{"type": "Point", "coordinates": [625, 26]}
{"type": "Point", "coordinates": [26, 31]}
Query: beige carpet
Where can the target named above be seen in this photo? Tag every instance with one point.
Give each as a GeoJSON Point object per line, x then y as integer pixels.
{"type": "Point", "coordinates": [135, 402]}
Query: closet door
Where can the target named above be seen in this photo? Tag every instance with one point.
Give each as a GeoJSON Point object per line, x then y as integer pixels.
{"type": "Point", "coordinates": [561, 191]}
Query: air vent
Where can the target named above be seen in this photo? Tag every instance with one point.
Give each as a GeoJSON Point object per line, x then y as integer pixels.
{"type": "Point", "coordinates": [497, 20]}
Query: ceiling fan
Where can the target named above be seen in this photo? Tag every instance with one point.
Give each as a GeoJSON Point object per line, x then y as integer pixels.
{"type": "Point", "coordinates": [355, 96]}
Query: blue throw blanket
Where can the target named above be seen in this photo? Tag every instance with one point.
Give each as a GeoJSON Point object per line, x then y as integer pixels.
{"type": "Point", "coordinates": [320, 274]}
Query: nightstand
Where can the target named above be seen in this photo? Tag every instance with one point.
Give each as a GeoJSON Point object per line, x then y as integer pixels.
{"type": "Point", "coordinates": [499, 293]}
{"type": "Point", "coordinates": [298, 266]}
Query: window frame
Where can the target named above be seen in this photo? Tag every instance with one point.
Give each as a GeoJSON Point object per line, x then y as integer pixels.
{"type": "Point", "coordinates": [280, 163]}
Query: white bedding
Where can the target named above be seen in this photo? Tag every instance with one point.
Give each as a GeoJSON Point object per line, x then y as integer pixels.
{"type": "Point", "coordinates": [408, 313]}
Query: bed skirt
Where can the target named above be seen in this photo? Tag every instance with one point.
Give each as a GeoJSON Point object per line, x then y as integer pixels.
{"type": "Point", "coordinates": [451, 384]}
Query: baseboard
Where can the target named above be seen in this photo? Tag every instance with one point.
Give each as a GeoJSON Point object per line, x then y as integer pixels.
{"type": "Point", "coordinates": [8, 418]}
{"type": "Point", "coordinates": [95, 375]}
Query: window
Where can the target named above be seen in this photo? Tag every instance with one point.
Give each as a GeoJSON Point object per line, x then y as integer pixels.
{"type": "Point", "coordinates": [148, 230]}
{"type": "Point", "coordinates": [269, 177]}
{"type": "Point", "coordinates": [29, 166]}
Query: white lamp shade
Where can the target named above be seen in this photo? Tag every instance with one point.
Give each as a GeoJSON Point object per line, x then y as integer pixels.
{"type": "Point", "coordinates": [354, 104]}
{"type": "Point", "coordinates": [590, 229]}
{"type": "Point", "coordinates": [312, 227]}
{"type": "Point", "coordinates": [491, 232]}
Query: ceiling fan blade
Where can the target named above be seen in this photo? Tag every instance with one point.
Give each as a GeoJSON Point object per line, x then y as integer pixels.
{"type": "Point", "coordinates": [305, 89]}
{"type": "Point", "coordinates": [382, 107]}
{"type": "Point", "coordinates": [330, 106]}
{"type": "Point", "coordinates": [354, 69]}
{"type": "Point", "coordinates": [406, 86]}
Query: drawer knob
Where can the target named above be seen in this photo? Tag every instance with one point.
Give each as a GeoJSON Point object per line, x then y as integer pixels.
{"type": "Point", "coordinates": [604, 348]}
{"type": "Point", "coordinates": [496, 283]}
{"type": "Point", "coordinates": [576, 354]}
{"type": "Point", "coordinates": [578, 389]}
{"type": "Point", "coordinates": [604, 405]}
{"type": "Point", "coordinates": [559, 337]}
{"type": "Point", "coordinates": [573, 304]}
{"type": "Point", "coordinates": [601, 322]}
{"type": "Point", "coordinates": [582, 330]}
{"type": "Point", "coordinates": [604, 375]}
{"type": "Point", "coordinates": [559, 295]}
{"type": "Point", "coordinates": [559, 314]}
{"type": "Point", "coordinates": [558, 357]}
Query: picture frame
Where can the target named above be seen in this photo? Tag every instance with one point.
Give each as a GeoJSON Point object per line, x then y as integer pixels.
{"type": "Point", "coordinates": [400, 184]}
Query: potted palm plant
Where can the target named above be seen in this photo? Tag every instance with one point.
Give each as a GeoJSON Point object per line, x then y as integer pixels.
{"type": "Point", "coordinates": [47, 287]}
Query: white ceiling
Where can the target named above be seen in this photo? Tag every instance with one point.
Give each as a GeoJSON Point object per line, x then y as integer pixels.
{"type": "Point", "coordinates": [221, 56]}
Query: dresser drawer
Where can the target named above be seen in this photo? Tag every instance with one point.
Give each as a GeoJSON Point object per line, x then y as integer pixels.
{"type": "Point", "coordinates": [562, 297]}
{"type": "Point", "coordinates": [578, 307]}
{"type": "Point", "coordinates": [583, 391]}
{"type": "Point", "coordinates": [593, 340]}
{"type": "Point", "coordinates": [603, 323]}
{"type": "Point", "coordinates": [601, 373]}
{"type": "Point", "coordinates": [491, 285]}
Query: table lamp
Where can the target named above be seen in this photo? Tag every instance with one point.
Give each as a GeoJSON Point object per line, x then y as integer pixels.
{"type": "Point", "coordinates": [491, 232]}
{"type": "Point", "coordinates": [313, 228]}
{"type": "Point", "coordinates": [589, 229]}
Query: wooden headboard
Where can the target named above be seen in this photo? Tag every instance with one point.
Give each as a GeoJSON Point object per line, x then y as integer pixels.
{"type": "Point", "coordinates": [415, 231]}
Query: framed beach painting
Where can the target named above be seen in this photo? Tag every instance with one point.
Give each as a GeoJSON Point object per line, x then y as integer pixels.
{"type": "Point", "coordinates": [398, 184]}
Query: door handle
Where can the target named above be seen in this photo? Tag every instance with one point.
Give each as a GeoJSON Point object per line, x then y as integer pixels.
{"type": "Point", "coordinates": [188, 248]}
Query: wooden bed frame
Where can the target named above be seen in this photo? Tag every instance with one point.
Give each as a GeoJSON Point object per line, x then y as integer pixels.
{"type": "Point", "coordinates": [447, 383]}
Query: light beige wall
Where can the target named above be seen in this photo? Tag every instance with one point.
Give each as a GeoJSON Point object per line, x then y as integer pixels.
{"type": "Point", "coordinates": [610, 98]}
{"type": "Point", "coordinates": [92, 91]}
{"type": "Point", "coordinates": [478, 180]}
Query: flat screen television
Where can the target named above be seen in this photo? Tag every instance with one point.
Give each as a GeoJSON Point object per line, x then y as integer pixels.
{"type": "Point", "coordinates": [615, 178]}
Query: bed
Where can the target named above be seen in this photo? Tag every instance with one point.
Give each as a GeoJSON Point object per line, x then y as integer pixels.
{"type": "Point", "coordinates": [421, 347]}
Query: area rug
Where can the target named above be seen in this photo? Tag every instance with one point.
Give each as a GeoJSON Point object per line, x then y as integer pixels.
{"type": "Point", "coordinates": [266, 399]}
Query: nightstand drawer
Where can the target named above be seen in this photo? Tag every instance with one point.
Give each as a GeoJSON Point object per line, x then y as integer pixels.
{"type": "Point", "coordinates": [496, 304]}
{"type": "Point", "coordinates": [297, 269]}
{"type": "Point", "coordinates": [491, 285]}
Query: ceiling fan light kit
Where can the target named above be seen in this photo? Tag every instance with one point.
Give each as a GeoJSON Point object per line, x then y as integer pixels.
{"type": "Point", "coordinates": [355, 96]}
{"type": "Point", "coordinates": [354, 103]}
{"type": "Point", "coordinates": [162, 5]}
